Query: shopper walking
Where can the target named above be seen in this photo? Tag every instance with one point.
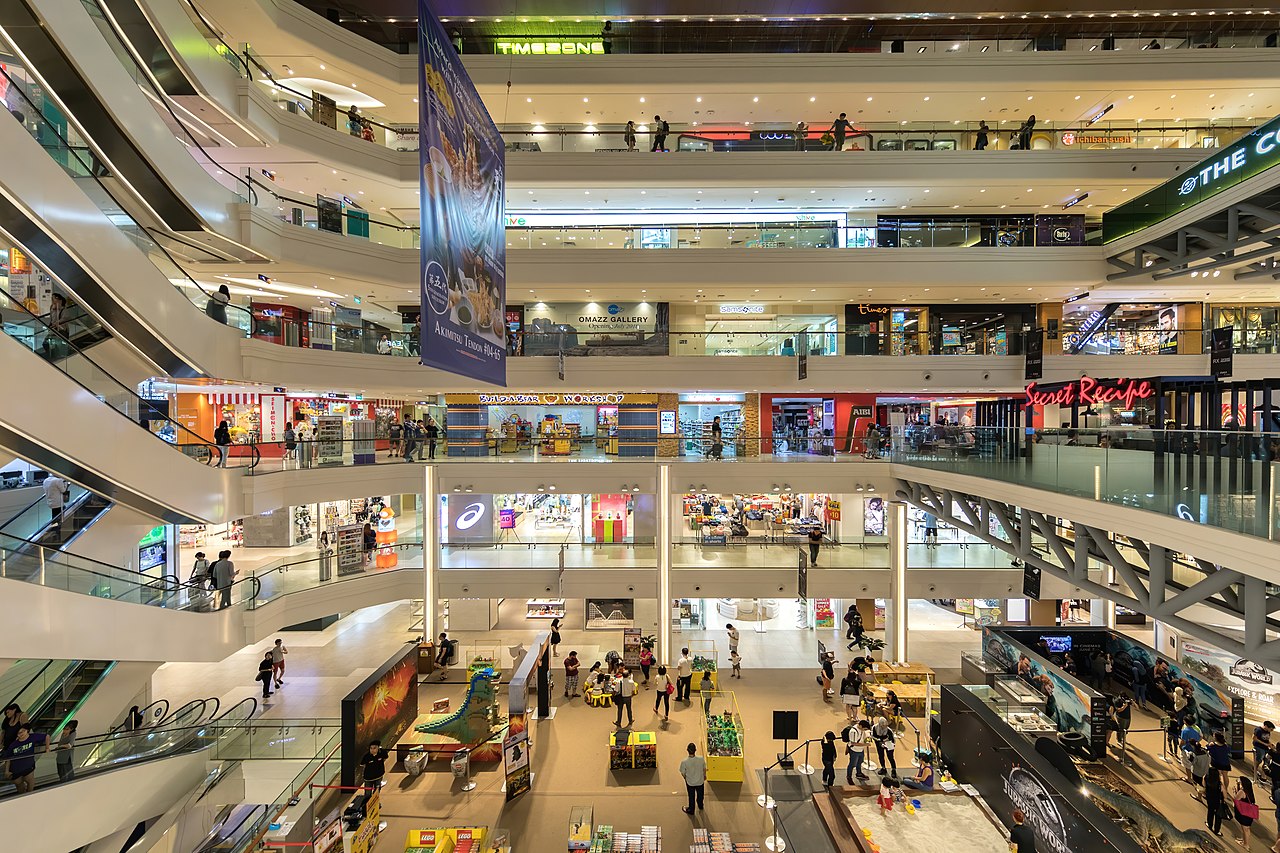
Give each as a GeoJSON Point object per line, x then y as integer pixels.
{"type": "Point", "coordinates": [290, 443]}
{"type": "Point", "coordinates": [373, 765]}
{"type": "Point", "coordinates": [199, 573]}
{"type": "Point", "coordinates": [278, 651]}
{"type": "Point", "coordinates": [882, 736]}
{"type": "Point", "coordinates": [56, 491]}
{"type": "Point", "coordinates": [216, 307]}
{"type": "Point", "coordinates": [851, 692]}
{"type": "Point", "coordinates": [839, 128]}
{"type": "Point", "coordinates": [664, 689]}
{"type": "Point", "coordinates": [981, 143]}
{"type": "Point", "coordinates": [571, 667]}
{"type": "Point", "coordinates": [626, 692]}
{"type": "Point", "coordinates": [432, 433]}
{"type": "Point", "coordinates": [224, 575]}
{"type": "Point", "coordinates": [853, 628]}
{"type": "Point", "coordinates": [222, 442]}
{"type": "Point", "coordinates": [694, 771]}
{"type": "Point", "coordinates": [646, 663]}
{"type": "Point", "coordinates": [394, 432]}
{"type": "Point", "coordinates": [733, 637]}
{"type": "Point", "coordinates": [660, 131]}
{"type": "Point", "coordinates": [444, 654]}
{"type": "Point", "coordinates": [1215, 800]}
{"type": "Point", "coordinates": [65, 757]}
{"type": "Point", "coordinates": [827, 674]}
{"type": "Point", "coordinates": [815, 542]}
{"type": "Point", "coordinates": [629, 135]}
{"type": "Point", "coordinates": [369, 539]}
{"type": "Point", "coordinates": [828, 759]}
{"type": "Point", "coordinates": [264, 674]}
{"type": "Point", "coordinates": [555, 637]}
{"type": "Point", "coordinates": [802, 136]}
{"type": "Point", "coordinates": [1024, 133]}
{"type": "Point", "coordinates": [684, 676]}
{"type": "Point", "coordinates": [717, 442]}
{"type": "Point", "coordinates": [20, 756]}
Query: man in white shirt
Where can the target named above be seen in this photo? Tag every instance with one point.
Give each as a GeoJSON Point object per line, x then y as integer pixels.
{"type": "Point", "coordinates": [694, 771]}
{"type": "Point", "coordinates": [55, 491]}
{"type": "Point", "coordinates": [684, 676]}
{"type": "Point", "coordinates": [626, 690]}
{"type": "Point", "coordinates": [733, 638]}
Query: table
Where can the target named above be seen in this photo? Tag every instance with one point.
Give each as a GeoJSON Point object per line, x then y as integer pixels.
{"type": "Point", "coordinates": [640, 752]}
{"type": "Point", "coordinates": [904, 672]}
{"type": "Point", "coordinates": [908, 694]}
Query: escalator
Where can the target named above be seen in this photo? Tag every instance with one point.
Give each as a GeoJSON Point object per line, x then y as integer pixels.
{"type": "Point", "coordinates": [39, 527]}
{"type": "Point", "coordinates": [56, 689]}
{"type": "Point", "coordinates": [49, 444]}
{"type": "Point", "coordinates": [65, 218]}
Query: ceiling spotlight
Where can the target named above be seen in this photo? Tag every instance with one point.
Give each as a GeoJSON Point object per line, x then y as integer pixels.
{"type": "Point", "coordinates": [542, 488]}
{"type": "Point", "coordinates": [859, 488]}
{"type": "Point", "coordinates": [636, 487]}
{"type": "Point", "coordinates": [457, 488]}
{"type": "Point", "coordinates": [469, 488]}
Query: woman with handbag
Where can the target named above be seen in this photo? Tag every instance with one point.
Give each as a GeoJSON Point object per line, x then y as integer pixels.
{"type": "Point", "coordinates": [1246, 808]}
{"type": "Point", "coordinates": [665, 688]}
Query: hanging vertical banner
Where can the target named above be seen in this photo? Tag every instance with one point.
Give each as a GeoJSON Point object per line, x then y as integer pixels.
{"type": "Point", "coordinates": [802, 356]}
{"type": "Point", "coordinates": [1221, 350]}
{"type": "Point", "coordinates": [1035, 355]}
{"type": "Point", "coordinates": [461, 155]}
{"type": "Point", "coordinates": [274, 416]}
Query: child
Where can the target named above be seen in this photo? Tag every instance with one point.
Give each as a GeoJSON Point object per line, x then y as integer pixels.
{"type": "Point", "coordinates": [886, 794]}
{"type": "Point", "coordinates": [736, 660]}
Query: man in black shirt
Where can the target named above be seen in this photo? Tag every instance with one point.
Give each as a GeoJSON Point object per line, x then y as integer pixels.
{"type": "Point", "coordinates": [839, 128]}
{"type": "Point", "coordinates": [1022, 837]}
{"type": "Point", "coordinates": [373, 765]}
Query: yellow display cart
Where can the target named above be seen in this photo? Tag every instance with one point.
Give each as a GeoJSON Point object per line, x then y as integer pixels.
{"type": "Point", "coordinates": [640, 752]}
{"type": "Point", "coordinates": [723, 744]}
{"type": "Point", "coordinates": [458, 839]}
{"type": "Point", "coordinates": [705, 659]}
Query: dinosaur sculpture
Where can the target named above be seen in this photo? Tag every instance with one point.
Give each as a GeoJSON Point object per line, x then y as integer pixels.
{"type": "Point", "coordinates": [474, 721]}
{"type": "Point", "coordinates": [1148, 825]}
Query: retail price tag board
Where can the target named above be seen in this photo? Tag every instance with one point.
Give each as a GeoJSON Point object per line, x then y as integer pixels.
{"type": "Point", "coordinates": [350, 549]}
{"type": "Point", "coordinates": [328, 440]}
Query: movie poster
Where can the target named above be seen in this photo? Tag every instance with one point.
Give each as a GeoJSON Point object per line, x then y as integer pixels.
{"type": "Point", "coordinates": [463, 255]}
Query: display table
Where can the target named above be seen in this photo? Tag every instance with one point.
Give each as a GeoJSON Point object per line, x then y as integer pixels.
{"type": "Point", "coordinates": [705, 660]}
{"type": "Point", "coordinates": [908, 694]}
{"type": "Point", "coordinates": [640, 752]}
{"type": "Point", "coordinates": [722, 739]}
{"type": "Point", "coordinates": [609, 840]}
{"type": "Point", "coordinates": [907, 673]}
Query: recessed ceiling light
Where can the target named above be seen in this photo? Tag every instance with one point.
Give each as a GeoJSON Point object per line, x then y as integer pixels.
{"type": "Point", "coordinates": [755, 100]}
{"type": "Point", "coordinates": [1031, 97]}
{"type": "Point", "coordinates": [926, 97]}
{"type": "Point", "coordinates": [983, 98]}
{"type": "Point", "coordinates": [642, 100]}
{"type": "Point", "coordinates": [698, 99]}
{"type": "Point", "coordinates": [869, 99]}
{"type": "Point", "coordinates": [586, 100]}
{"type": "Point", "coordinates": [528, 100]}
{"type": "Point", "coordinates": [811, 100]}
{"type": "Point", "coordinates": [1077, 97]}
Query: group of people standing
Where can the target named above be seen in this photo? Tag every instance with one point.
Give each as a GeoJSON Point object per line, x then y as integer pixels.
{"type": "Point", "coordinates": [217, 576]}
{"type": "Point", "coordinates": [415, 436]}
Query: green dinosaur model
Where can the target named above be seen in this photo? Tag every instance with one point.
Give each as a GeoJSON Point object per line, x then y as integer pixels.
{"type": "Point", "coordinates": [474, 721]}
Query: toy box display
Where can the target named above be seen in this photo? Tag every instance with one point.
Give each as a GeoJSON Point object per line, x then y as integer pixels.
{"type": "Point", "coordinates": [638, 752]}
{"type": "Point", "coordinates": [705, 660]}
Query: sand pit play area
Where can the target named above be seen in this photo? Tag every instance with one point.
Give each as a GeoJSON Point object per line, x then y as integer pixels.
{"type": "Point", "coordinates": [953, 817]}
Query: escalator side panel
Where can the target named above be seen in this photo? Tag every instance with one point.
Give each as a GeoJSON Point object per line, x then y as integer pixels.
{"type": "Point", "coordinates": [26, 28]}
{"type": "Point", "coordinates": [138, 30]}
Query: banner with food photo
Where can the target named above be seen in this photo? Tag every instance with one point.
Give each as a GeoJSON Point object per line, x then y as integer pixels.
{"type": "Point", "coordinates": [463, 240]}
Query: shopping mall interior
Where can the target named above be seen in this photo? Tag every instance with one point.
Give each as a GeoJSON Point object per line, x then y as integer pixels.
{"type": "Point", "coordinates": [462, 426]}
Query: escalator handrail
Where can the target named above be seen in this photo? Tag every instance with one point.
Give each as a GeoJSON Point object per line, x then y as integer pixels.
{"type": "Point", "coordinates": [202, 704]}
{"type": "Point", "coordinates": [160, 585]}
{"type": "Point", "coordinates": [78, 499]}
{"type": "Point", "coordinates": [13, 86]}
{"type": "Point", "coordinates": [144, 74]}
{"type": "Point", "coordinates": [142, 402]}
{"type": "Point", "coordinates": [31, 681]}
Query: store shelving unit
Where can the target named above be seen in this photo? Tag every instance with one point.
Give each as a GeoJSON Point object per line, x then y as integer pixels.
{"type": "Point", "coordinates": [544, 608]}
{"type": "Point", "coordinates": [722, 739]}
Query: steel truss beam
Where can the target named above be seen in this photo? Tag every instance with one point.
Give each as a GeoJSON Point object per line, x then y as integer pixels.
{"type": "Point", "coordinates": [1250, 235]}
{"type": "Point", "coordinates": [1147, 584]}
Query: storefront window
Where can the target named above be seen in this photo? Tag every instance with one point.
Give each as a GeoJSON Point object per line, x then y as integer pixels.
{"type": "Point", "coordinates": [697, 417]}
{"type": "Point", "coordinates": [1147, 329]}
{"type": "Point", "coordinates": [1257, 327]}
{"type": "Point", "coordinates": [547, 518]}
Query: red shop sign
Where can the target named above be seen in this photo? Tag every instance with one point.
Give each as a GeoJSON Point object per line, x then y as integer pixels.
{"type": "Point", "coordinates": [1088, 391]}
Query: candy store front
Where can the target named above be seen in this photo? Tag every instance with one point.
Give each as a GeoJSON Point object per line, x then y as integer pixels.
{"type": "Point", "coordinates": [568, 425]}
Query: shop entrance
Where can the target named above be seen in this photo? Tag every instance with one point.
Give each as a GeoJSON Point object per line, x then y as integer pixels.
{"type": "Point", "coordinates": [804, 425]}
{"type": "Point", "coordinates": [697, 417]}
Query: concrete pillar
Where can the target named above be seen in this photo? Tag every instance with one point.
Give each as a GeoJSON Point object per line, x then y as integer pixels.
{"type": "Point", "coordinates": [430, 552]}
{"type": "Point", "coordinates": [663, 550]}
{"type": "Point", "coordinates": [896, 608]}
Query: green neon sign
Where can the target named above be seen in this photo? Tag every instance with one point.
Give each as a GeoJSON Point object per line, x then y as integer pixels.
{"type": "Point", "coordinates": [550, 48]}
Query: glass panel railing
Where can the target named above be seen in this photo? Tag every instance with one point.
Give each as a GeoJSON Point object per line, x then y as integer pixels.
{"type": "Point", "coordinates": [38, 515]}
{"type": "Point", "coordinates": [1220, 478]}
{"type": "Point", "coordinates": [80, 162]}
{"type": "Point", "coordinates": [43, 685]}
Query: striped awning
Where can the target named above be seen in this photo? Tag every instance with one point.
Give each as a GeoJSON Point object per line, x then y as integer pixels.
{"type": "Point", "coordinates": [239, 398]}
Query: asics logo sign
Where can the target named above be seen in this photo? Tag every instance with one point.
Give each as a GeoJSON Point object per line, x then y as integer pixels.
{"type": "Point", "coordinates": [471, 514]}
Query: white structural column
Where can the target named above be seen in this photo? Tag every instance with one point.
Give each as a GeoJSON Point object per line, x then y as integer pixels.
{"type": "Point", "coordinates": [663, 503]}
{"type": "Point", "coordinates": [430, 552]}
{"type": "Point", "coordinates": [896, 607]}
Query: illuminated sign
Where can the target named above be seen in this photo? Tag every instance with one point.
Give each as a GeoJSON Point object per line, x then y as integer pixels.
{"type": "Point", "coordinates": [551, 399]}
{"type": "Point", "coordinates": [549, 48]}
{"type": "Point", "coordinates": [1088, 391]}
{"type": "Point", "coordinates": [873, 309]}
{"type": "Point", "coordinates": [741, 309]}
{"type": "Point", "coordinates": [666, 423]}
{"type": "Point", "coordinates": [1224, 166]}
{"type": "Point", "coordinates": [516, 221]}
{"type": "Point", "coordinates": [1070, 137]}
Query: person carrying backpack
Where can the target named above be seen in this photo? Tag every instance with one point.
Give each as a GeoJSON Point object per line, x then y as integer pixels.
{"type": "Point", "coordinates": [660, 131]}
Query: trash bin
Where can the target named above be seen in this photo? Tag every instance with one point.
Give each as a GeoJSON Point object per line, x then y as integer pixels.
{"type": "Point", "coordinates": [326, 564]}
{"type": "Point", "coordinates": [460, 764]}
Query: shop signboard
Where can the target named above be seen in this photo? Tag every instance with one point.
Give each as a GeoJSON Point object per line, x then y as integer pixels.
{"type": "Point", "coordinates": [506, 519]}
{"type": "Point", "coordinates": [463, 254]}
{"type": "Point", "coordinates": [1221, 350]}
{"type": "Point", "coordinates": [1254, 684]}
{"type": "Point", "coordinates": [833, 510]}
{"type": "Point", "coordinates": [274, 416]}
{"type": "Point", "coordinates": [541, 47]}
{"type": "Point", "coordinates": [515, 763]}
{"type": "Point", "coordinates": [666, 422]}
{"type": "Point", "coordinates": [470, 518]}
{"type": "Point", "coordinates": [1092, 324]}
{"type": "Point", "coordinates": [1088, 391]}
{"type": "Point", "coordinates": [329, 839]}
